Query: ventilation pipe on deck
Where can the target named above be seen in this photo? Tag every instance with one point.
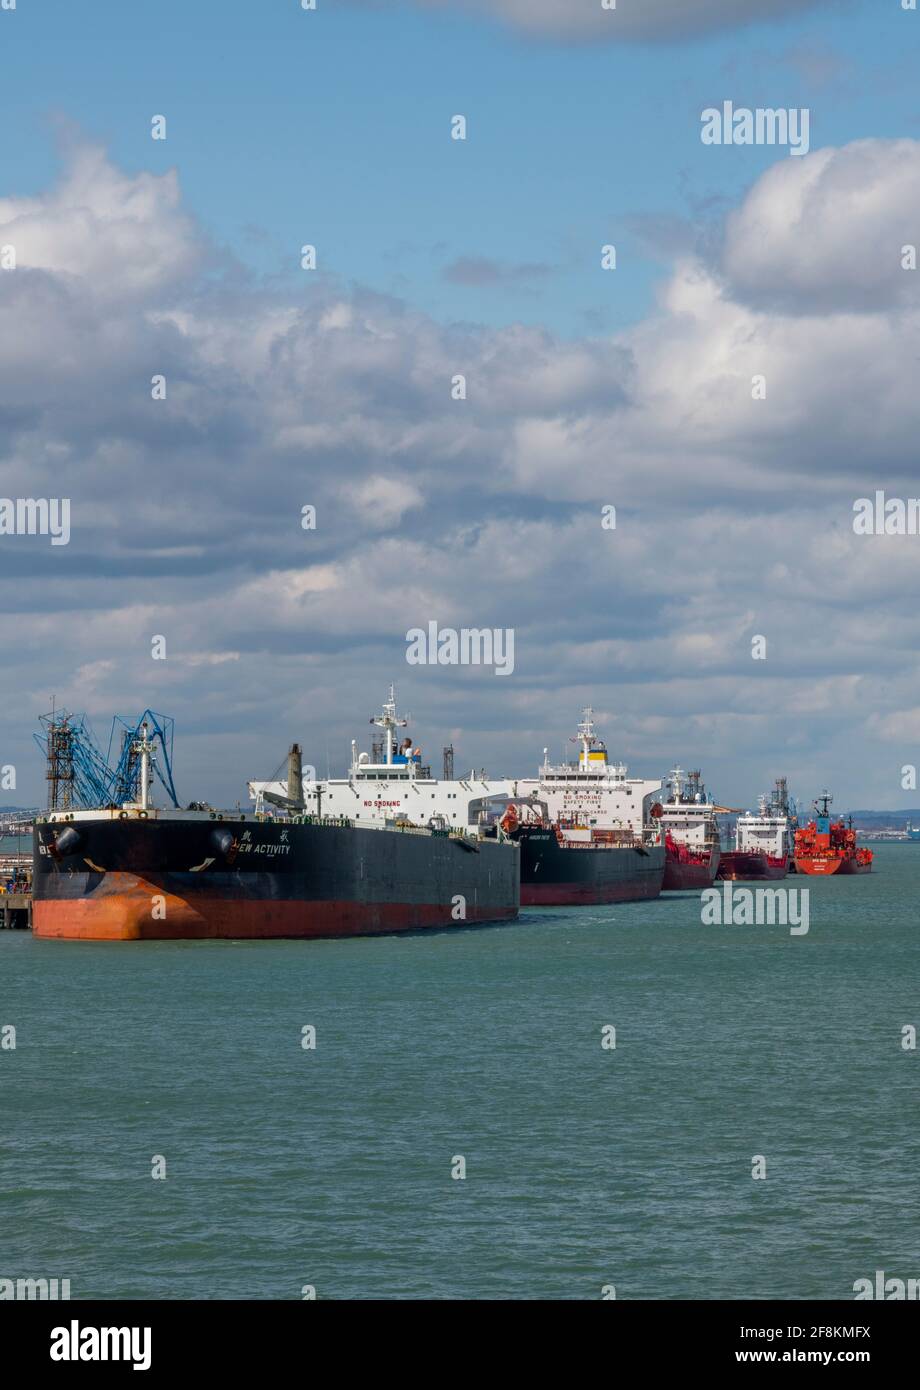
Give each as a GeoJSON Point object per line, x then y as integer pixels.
{"type": "Point", "coordinates": [295, 776]}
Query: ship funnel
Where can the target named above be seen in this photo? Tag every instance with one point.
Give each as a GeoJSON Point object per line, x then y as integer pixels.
{"type": "Point", "coordinates": [295, 776]}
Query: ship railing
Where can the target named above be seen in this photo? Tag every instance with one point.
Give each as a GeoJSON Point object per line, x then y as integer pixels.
{"type": "Point", "coordinates": [605, 839]}
{"type": "Point", "coordinates": [603, 844]}
{"type": "Point", "coordinates": [347, 822]}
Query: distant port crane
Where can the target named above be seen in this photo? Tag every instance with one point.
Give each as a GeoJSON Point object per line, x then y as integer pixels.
{"type": "Point", "coordinates": [80, 777]}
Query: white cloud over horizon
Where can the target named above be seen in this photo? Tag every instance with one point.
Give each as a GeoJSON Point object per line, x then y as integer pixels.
{"type": "Point", "coordinates": [633, 20]}
{"type": "Point", "coordinates": [733, 514]}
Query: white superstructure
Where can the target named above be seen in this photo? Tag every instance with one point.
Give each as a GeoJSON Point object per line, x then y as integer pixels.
{"type": "Point", "coordinates": [688, 815]}
{"type": "Point", "coordinates": [589, 792]}
{"type": "Point", "coordinates": [398, 787]}
{"type": "Point", "coordinates": [768, 831]}
{"type": "Point", "coordinates": [592, 793]}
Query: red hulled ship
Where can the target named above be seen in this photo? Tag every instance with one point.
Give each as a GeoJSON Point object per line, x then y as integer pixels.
{"type": "Point", "coordinates": [762, 846]}
{"type": "Point", "coordinates": [691, 831]}
{"type": "Point", "coordinates": [827, 847]}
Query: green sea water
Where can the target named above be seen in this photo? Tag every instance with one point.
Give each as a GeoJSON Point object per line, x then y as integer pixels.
{"type": "Point", "coordinates": [16, 844]}
{"type": "Point", "coordinates": [585, 1166]}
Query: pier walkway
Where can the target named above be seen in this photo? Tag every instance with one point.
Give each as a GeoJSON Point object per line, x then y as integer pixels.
{"type": "Point", "coordinates": [15, 911]}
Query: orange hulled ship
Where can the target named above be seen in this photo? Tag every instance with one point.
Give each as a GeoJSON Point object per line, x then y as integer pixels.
{"type": "Point", "coordinates": [825, 846]}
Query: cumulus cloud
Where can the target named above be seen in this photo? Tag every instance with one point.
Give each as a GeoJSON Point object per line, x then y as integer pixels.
{"type": "Point", "coordinates": [112, 233]}
{"type": "Point", "coordinates": [632, 19]}
{"type": "Point", "coordinates": [733, 514]}
{"type": "Point", "coordinates": [829, 232]}
{"type": "Point", "coordinates": [383, 500]}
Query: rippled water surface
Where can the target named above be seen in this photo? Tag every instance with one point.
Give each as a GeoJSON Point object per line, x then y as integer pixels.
{"type": "Point", "coordinates": [585, 1166]}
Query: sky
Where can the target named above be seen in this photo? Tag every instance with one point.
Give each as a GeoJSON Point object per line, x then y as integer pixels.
{"type": "Point", "coordinates": [586, 388]}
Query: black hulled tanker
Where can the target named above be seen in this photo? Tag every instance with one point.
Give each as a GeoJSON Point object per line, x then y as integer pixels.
{"type": "Point", "coordinates": [586, 830]}
{"type": "Point", "coordinates": [130, 875]}
{"type": "Point", "coordinates": [558, 870]}
{"type": "Point", "coordinates": [136, 872]}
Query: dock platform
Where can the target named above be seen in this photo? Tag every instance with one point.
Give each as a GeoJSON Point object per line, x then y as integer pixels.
{"type": "Point", "coordinates": [15, 911]}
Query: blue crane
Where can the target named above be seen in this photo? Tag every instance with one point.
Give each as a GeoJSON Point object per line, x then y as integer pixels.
{"type": "Point", "coordinates": [80, 777]}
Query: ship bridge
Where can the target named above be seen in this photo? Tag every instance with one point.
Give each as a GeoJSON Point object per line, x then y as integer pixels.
{"type": "Point", "coordinates": [391, 783]}
{"type": "Point", "coordinates": [592, 791]}
{"type": "Point", "coordinates": [592, 764]}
